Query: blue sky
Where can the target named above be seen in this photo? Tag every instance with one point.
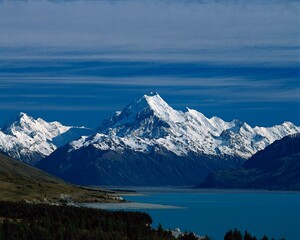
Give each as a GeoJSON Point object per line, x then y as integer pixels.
{"type": "Point", "coordinates": [78, 61]}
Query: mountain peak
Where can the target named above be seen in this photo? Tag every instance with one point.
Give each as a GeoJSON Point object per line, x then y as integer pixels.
{"type": "Point", "coordinates": [24, 116]}
{"type": "Point", "coordinates": [161, 108]}
{"type": "Point", "coordinates": [24, 126]}
{"type": "Point", "coordinates": [152, 97]}
{"type": "Point", "coordinates": [21, 119]}
{"type": "Point", "coordinates": [152, 94]}
{"type": "Point", "coordinates": [30, 139]}
{"type": "Point", "coordinates": [148, 116]}
{"type": "Point", "coordinates": [155, 101]}
{"type": "Point", "coordinates": [149, 104]}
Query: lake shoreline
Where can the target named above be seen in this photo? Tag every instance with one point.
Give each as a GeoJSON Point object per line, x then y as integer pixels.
{"type": "Point", "coordinates": [141, 190]}
{"type": "Point", "coordinates": [215, 211]}
{"type": "Point", "coordinates": [127, 206]}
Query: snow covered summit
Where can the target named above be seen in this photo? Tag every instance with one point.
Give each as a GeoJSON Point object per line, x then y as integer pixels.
{"type": "Point", "coordinates": [150, 143]}
{"type": "Point", "coordinates": [30, 139]}
{"type": "Point", "coordinates": [146, 124]}
{"type": "Point", "coordinates": [150, 121]}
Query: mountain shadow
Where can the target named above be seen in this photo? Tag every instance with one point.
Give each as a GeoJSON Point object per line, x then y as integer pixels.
{"type": "Point", "coordinates": [277, 167]}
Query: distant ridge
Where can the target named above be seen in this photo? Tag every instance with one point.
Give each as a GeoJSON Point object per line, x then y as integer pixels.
{"type": "Point", "coordinates": [275, 167]}
{"type": "Point", "coordinates": [150, 143]}
{"type": "Point", "coordinates": [29, 140]}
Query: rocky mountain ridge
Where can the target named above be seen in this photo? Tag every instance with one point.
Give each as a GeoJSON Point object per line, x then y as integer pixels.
{"type": "Point", "coordinates": [275, 167]}
{"type": "Point", "coordinates": [151, 122]}
{"type": "Point", "coordinates": [150, 143]}
{"type": "Point", "coordinates": [29, 140]}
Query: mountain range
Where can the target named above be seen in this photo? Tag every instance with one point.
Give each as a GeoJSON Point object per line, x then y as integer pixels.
{"type": "Point", "coordinates": [275, 167]}
{"type": "Point", "coordinates": [150, 143]}
{"type": "Point", "coordinates": [29, 140]}
{"type": "Point", "coordinates": [147, 143]}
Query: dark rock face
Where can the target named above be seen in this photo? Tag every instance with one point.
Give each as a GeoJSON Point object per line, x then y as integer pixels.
{"type": "Point", "coordinates": [275, 167]}
{"type": "Point", "coordinates": [91, 166]}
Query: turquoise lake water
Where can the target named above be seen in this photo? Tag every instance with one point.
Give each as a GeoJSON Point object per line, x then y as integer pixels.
{"type": "Point", "coordinates": [276, 214]}
{"type": "Point", "coordinates": [214, 212]}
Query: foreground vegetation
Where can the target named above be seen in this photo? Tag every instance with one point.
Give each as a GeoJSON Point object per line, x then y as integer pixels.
{"type": "Point", "coordinates": [19, 220]}
{"type": "Point", "coordinates": [45, 222]}
{"type": "Point", "coordinates": [237, 235]}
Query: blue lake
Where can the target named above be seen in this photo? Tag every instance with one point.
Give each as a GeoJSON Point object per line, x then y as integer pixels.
{"type": "Point", "coordinates": [276, 214]}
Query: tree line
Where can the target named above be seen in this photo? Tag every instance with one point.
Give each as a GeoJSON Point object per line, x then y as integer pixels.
{"type": "Point", "coordinates": [45, 222]}
{"type": "Point", "coordinates": [22, 221]}
{"type": "Point", "coordinates": [238, 235]}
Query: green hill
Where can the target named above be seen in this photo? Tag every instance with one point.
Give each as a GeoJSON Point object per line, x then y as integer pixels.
{"type": "Point", "coordinates": [19, 181]}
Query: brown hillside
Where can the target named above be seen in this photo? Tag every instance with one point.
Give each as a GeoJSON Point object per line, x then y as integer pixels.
{"type": "Point", "coordinates": [19, 181]}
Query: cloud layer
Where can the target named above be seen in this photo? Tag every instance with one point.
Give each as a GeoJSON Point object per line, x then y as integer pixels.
{"type": "Point", "coordinates": [233, 59]}
{"type": "Point", "coordinates": [234, 31]}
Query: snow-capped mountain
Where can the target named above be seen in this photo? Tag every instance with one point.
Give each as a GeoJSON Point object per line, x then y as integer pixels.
{"type": "Point", "coordinates": [152, 122]}
{"type": "Point", "coordinates": [30, 140]}
{"type": "Point", "coordinates": [151, 143]}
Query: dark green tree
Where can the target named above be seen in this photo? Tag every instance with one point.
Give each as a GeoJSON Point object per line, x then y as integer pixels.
{"type": "Point", "coordinates": [265, 238]}
{"type": "Point", "coordinates": [188, 236]}
{"type": "Point", "coordinates": [233, 235]}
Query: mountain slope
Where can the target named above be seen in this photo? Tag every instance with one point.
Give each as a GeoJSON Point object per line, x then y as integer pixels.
{"type": "Point", "coordinates": [18, 181]}
{"type": "Point", "coordinates": [153, 120]}
{"type": "Point", "coordinates": [92, 166]}
{"type": "Point", "coordinates": [150, 143]}
{"type": "Point", "coordinates": [275, 167]}
{"type": "Point", "coordinates": [30, 140]}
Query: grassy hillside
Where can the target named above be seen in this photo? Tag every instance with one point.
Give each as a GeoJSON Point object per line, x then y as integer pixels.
{"type": "Point", "coordinates": [19, 181]}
